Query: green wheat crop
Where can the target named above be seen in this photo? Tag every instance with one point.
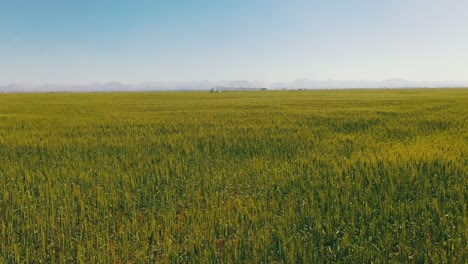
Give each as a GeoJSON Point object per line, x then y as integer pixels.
{"type": "Point", "coordinates": [355, 176]}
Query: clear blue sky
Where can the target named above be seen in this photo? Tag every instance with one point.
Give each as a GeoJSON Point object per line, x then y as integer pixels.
{"type": "Point", "coordinates": [82, 41]}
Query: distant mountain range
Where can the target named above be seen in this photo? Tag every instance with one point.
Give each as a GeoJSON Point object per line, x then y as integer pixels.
{"type": "Point", "coordinates": [241, 84]}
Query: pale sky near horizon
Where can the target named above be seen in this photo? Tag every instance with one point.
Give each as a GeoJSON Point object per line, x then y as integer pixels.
{"type": "Point", "coordinates": [71, 41]}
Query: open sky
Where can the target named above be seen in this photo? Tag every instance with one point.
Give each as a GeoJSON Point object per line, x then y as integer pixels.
{"type": "Point", "coordinates": [83, 41]}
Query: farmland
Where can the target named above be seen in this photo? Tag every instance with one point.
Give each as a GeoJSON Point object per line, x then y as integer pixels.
{"type": "Point", "coordinates": [274, 176]}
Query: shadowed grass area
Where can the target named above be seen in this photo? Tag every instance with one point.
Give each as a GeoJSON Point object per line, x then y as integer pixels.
{"type": "Point", "coordinates": [275, 176]}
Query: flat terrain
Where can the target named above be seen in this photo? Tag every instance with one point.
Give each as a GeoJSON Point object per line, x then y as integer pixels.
{"type": "Point", "coordinates": [288, 176]}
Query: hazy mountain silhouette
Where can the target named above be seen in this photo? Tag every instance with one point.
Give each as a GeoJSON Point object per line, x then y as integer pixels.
{"type": "Point", "coordinates": [207, 85]}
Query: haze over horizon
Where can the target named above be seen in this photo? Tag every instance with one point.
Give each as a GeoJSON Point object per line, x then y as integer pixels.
{"type": "Point", "coordinates": [271, 41]}
{"type": "Point", "coordinates": [231, 85]}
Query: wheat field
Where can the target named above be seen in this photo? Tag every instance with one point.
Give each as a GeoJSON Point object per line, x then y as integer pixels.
{"type": "Point", "coordinates": [354, 176]}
